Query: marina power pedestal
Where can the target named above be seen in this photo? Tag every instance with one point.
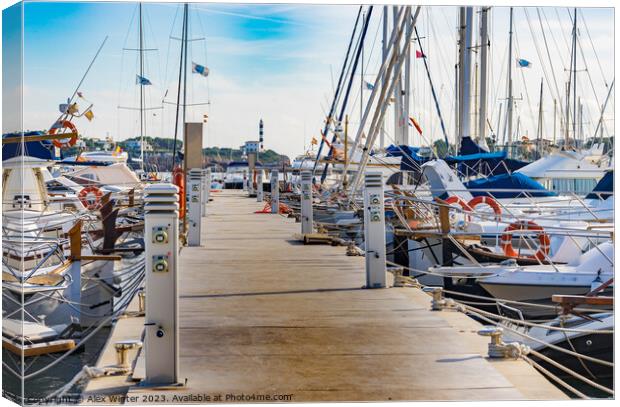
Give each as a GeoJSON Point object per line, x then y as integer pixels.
{"type": "Point", "coordinates": [259, 186]}
{"type": "Point", "coordinates": [275, 192]}
{"type": "Point", "coordinates": [306, 202]}
{"type": "Point", "coordinates": [161, 237]}
{"type": "Point", "coordinates": [251, 149]}
{"type": "Point", "coordinates": [374, 230]}
{"type": "Point", "coordinates": [194, 206]}
{"type": "Point", "coordinates": [206, 188]}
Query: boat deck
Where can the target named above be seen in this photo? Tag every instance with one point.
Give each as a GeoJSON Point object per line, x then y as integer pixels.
{"type": "Point", "coordinates": [263, 316]}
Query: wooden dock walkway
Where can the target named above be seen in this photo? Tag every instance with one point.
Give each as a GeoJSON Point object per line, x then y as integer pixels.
{"type": "Point", "coordinates": [263, 315]}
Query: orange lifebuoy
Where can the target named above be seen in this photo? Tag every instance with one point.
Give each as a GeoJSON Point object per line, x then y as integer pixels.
{"type": "Point", "coordinates": [543, 238]}
{"type": "Point", "coordinates": [86, 201]}
{"type": "Point", "coordinates": [178, 179]}
{"type": "Point", "coordinates": [489, 201]}
{"type": "Point", "coordinates": [65, 124]}
{"type": "Point", "coordinates": [458, 200]}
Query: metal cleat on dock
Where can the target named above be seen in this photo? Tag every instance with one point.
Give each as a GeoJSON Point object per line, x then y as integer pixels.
{"type": "Point", "coordinates": [498, 349]}
{"type": "Point", "coordinates": [440, 303]}
{"type": "Point", "coordinates": [353, 250]}
{"type": "Point", "coordinates": [402, 281]}
{"type": "Point", "coordinates": [122, 349]}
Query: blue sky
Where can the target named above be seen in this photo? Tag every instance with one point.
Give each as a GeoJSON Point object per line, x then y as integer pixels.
{"type": "Point", "coordinates": [277, 62]}
{"type": "Point", "coordinates": [265, 61]}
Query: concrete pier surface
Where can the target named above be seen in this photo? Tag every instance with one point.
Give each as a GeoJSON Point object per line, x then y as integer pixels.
{"type": "Point", "coordinates": [265, 318]}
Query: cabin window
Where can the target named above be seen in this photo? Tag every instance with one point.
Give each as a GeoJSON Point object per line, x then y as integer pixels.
{"type": "Point", "coordinates": [91, 177]}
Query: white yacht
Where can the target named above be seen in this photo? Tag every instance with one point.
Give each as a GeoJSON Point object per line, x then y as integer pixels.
{"type": "Point", "coordinates": [236, 175]}
{"type": "Point", "coordinates": [568, 170]}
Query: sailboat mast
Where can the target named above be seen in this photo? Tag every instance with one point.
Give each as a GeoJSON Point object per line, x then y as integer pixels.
{"type": "Point", "coordinates": [407, 85]}
{"type": "Point", "coordinates": [509, 108]}
{"type": "Point", "coordinates": [383, 59]}
{"type": "Point", "coordinates": [398, 90]}
{"type": "Point", "coordinates": [184, 62]}
{"type": "Point", "coordinates": [572, 76]}
{"type": "Point", "coordinates": [575, 75]}
{"type": "Point", "coordinates": [484, 49]}
{"type": "Point", "coordinates": [141, 52]}
{"type": "Point", "coordinates": [465, 86]}
{"type": "Point", "coordinates": [176, 122]}
{"type": "Point", "coordinates": [460, 73]}
{"type": "Point", "coordinates": [540, 122]}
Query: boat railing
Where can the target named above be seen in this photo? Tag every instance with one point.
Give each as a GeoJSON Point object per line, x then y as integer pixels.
{"type": "Point", "coordinates": [525, 237]}
{"type": "Point", "coordinates": [53, 249]}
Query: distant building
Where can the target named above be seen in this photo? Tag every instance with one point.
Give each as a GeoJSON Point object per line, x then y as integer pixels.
{"type": "Point", "coordinates": [134, 145]}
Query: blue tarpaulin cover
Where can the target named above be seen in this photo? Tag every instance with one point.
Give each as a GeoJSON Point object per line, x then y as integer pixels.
{"type": "Point", "coordinates": [518, 184]}
{"type": "Point", "coordinates": [473, 159]}
{"type": "Point", "coordinates": [411, 161]}
{"type": "Point", "coordinates": [453, 159]}
{"type": "Point", "coordinates": [606, 184]}
{"type": "Point", "coordinates": [485, 163]}
{"type": "Point", "coordinates": [40, 149]}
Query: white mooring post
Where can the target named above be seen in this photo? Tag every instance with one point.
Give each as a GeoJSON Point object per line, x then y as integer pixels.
{"type": "Point", "coordinates": [161, 237]}
{"type": "Point", "coordinates": [259, 186]}
{"type": "Point", "coordinates": [306, 202]}
{"type": "Point", "coordinates": [374, 230]}
{"type": "Point", "coordinates": [275, 192]}
{"type": "Point", "coordinates": [206, 186]}
{"type": "Point", "coordinates": [194, 206]}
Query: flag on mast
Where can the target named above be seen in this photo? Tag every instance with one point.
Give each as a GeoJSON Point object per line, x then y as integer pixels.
{"type": "Point", "coordinates": [524, 63]}
{"type": "Point", "coordinates": [200, 69]}
{"type": "Point", "coordinates": [413, 122]}
{"type": "Point", "coordinates": [141, 80]}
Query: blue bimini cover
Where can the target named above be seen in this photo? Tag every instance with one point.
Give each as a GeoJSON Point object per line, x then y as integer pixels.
{"type": "Point", "coordinates": [484, 163]}
{"type": "Point", "coordinates": [40, 149]}
{"type": "Point", "coordinates": [411, 161]}
{"type": "Point", "coordinates": [604, 189]}
{"type": "Point", "coordinates": [398, 151]}
{"type": "Point", "coordinates": [507, 186]}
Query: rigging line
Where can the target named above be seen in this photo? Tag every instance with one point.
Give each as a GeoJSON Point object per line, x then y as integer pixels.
{"type": "Point", "coordinates": [442, 57]}
{"type": "Point", "coordinates": [600, 67]}
{"type": "Point", "coordinates": [346, 75]}
{"type": "Point", "coordinates": [336, 95]}
{"type": "Point", "coordinates": [538, 52]}
{"type": "Point", "coordinates": [585, 63]}
{"type": "Point", "coordinates": [555, 43]}
{"type": "Point", "coordinates": [204, 32]}
{"type": "Point", "coordinates": [372, 49]}
{"type": "Point", "coordinates": [558, 94]}
{"type": "Point", "coordinates": [169, 42]}
{"type": "Point", "coordinates": [527, 94]}
{"type": "Point", "coordinates": [77, 88]}
{"type": "Point", "coordinates": [600, 121]}
{"type": "Point", "coordinates": [360, 47]}
{"type": "Point", "coordinates": [430, 81]}
{"type": "Point", "coordinates": [498, 88]}
{"type": "Point", "coordinates": [120, 79]}
{"type": "Point", "coordinates": [149, 23]}
{"type": "Point", "coordinates": [566, 41]}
